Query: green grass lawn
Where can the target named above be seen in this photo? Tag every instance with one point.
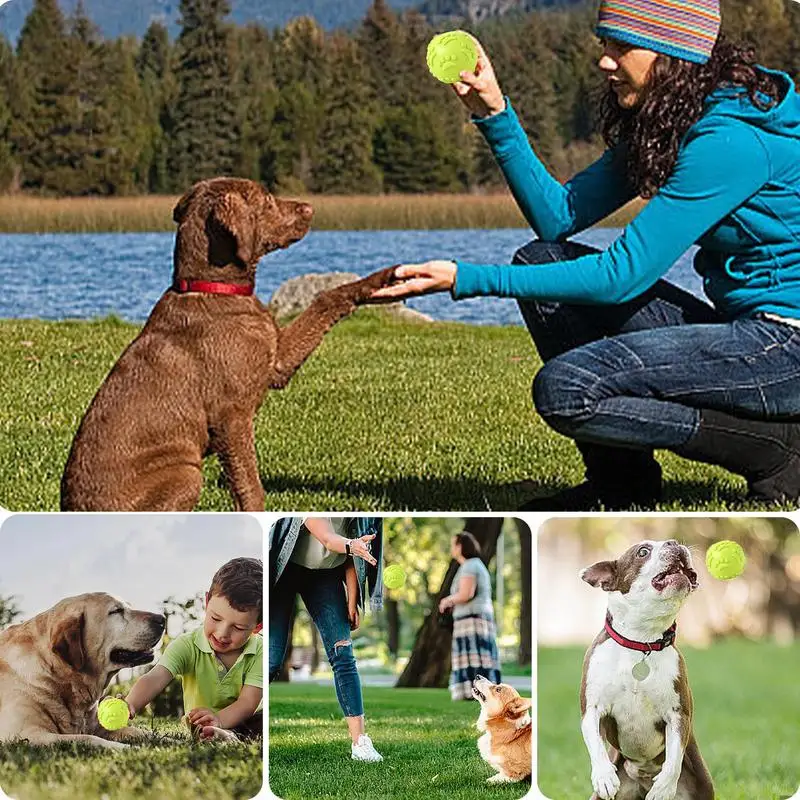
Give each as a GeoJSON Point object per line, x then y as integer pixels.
{"type": "Point", "coordinates": [160, 770]}
{"type": "Point", "coordinates": [747, 708]}
{"type": "Point", "coordinates": [386, 415]}
{"type": "Point", "coordinates": [428, 742]}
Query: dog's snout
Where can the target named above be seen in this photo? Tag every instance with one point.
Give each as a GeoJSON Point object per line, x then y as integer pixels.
{"type": "Point", "coordinates": [158, 622]}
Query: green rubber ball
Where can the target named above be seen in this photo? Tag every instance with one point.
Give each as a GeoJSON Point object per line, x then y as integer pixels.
{"type": "Point", "coordinates": [113, 713]}
{"type": "Point", "coordinates": [725, 560]}
{"type": "Point", "coordinates": [450, 54]}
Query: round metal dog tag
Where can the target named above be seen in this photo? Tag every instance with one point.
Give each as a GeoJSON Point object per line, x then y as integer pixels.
{"type": "Point", "coordinates": [640, 670]}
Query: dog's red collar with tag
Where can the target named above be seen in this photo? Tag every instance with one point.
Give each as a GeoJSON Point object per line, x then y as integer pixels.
{"type": "Point", "coordinates": [667, 638]}
{"type": "Point", "coordinates": [212, 287]}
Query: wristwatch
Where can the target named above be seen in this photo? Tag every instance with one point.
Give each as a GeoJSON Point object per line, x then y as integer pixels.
{"type": "Point", "coordinates": [347, 548]}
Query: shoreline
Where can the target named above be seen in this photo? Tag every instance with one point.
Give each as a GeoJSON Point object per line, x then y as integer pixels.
{"type": "Point", "coordinates": [24, 214]}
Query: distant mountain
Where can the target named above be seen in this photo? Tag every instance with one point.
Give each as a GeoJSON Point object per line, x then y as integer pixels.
{"type": "Point", "coordinates": [118, 17]}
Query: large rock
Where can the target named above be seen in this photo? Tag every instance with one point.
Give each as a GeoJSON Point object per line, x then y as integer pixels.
{"type": "Point", "coordinates": [294, 296]}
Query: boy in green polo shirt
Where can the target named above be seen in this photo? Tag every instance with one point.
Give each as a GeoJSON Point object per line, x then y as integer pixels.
{"type": "Point", "coordinates": [220, 664]}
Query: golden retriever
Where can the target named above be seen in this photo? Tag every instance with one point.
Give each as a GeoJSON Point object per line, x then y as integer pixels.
{"type": "Point", "coordinates": [55, 667]}
{"type": "Point", "coordinates": [505, 721]}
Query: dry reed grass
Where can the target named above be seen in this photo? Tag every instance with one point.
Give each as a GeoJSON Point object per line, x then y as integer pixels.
{"type": "Point", "coordinates": [25, 214]}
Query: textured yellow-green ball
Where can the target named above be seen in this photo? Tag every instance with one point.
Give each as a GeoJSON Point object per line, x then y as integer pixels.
{"type": "Point", "coordinates": [450, 54]}
{"type": "Point", "coordinates": [113, 713]}
{"type": "Point", "coordinates": [394, 576]}
{"type": "Point", "coordinates": [725, 560]}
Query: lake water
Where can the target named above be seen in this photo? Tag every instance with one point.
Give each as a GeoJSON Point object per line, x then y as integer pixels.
{"type": "Point", "coordinates": [86, 276]}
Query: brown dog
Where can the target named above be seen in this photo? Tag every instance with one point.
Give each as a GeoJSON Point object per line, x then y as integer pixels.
{"type": "Point", "coordinates": [192, 381]}
{"type": "Point", "coordinates": [505, 721]}
{"type": "Point", "coordinates": [55, 667]}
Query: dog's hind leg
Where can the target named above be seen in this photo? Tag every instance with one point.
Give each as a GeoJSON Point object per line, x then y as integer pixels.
{"type": "Point", "coordinates": [234, 443]}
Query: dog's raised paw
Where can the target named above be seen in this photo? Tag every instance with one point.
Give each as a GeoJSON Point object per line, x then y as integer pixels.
{"type": "Point", "coordinates": [377, 280]}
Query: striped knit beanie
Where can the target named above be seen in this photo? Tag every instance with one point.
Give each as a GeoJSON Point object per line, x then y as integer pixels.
{"type": "Point", "coordinates": [686, 29]}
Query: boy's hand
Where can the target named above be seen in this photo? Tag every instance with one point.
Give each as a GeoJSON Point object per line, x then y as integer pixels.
{"type": "Point", "coordinates": [355, 618]}
{"type": "Point", "coordinates": [203, 716]}
{"type": "Point", "coordinates": [131, 712]}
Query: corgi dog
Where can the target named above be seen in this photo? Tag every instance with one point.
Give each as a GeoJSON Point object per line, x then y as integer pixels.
{"type": "Point", "coordinates": [505, 722]}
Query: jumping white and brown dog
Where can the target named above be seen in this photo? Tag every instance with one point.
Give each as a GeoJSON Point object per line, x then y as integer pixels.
{"type": "Point", "coordinates": [636, 704]}
{"type": "Point", "coordinates": [505, 722]}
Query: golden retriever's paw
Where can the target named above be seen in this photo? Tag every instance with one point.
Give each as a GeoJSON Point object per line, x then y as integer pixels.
{"type": "Point", "coordinates": [500, 778]}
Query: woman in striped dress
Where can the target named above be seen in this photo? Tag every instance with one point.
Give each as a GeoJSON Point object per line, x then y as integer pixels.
{"type": "Point", "coordinates": [474, 632]}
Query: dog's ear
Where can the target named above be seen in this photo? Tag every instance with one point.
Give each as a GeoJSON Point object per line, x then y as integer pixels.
{"type": "Point", "coordinates": [517, 707]}
{"type": "Point", "coordinates": [182, 206]}
{"type": "Point", "coordinates": [67, 640]}
{"type": "Point", "coordinates": [232, 213]}
{"type": "Point", "coordinates": [603, 574]}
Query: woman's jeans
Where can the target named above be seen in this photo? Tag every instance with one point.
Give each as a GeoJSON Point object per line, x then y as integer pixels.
{"type": "Point", "coordinates": [637, 374]}
{"type": "Point", "coordinates": [322, 592]}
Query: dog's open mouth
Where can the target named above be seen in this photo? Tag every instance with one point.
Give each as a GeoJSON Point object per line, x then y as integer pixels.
{"type": "Point", "coordinates": [477, 693]}
{"type": "Point", "coordinates": [677, 576]}
{"type": "Point", "coordinates": [131, 658]}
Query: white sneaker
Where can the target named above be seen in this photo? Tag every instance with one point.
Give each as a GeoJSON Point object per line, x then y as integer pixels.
{"type": "Point", "coordinates": [363, 750]}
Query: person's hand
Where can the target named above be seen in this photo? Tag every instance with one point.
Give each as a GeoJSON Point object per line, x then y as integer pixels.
{"type": "Point", "coordinates": [480, 91]}
{"type": "Point", "coordinates": [203, 716]}
{"type": "Point", "coordinates": [354, 616]}
{"type": "Point", "coordinates": [417, 279]}
{"type": "Point", "coordinates": [359, 548]}
{"type": "Point", "coordinates": [131, 712]}
{"type": "Point", "coordinates": [444, 604]}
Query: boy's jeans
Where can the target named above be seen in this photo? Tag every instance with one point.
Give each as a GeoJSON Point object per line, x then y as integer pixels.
{"type": "Point", "coordinates": [322, 592]}
{"type": "Point", "coordinates": [637, 374]}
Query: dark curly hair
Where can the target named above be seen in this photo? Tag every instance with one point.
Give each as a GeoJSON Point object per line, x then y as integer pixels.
{"type": "Point", "coordinates": [673, 103]}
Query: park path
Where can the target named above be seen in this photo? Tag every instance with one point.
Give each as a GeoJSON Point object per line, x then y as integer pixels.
{"type": "Point", "coordinates": [519, 682]}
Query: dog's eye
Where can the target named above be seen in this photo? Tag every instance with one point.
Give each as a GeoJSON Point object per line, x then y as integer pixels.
{"type": "Point", "coordinates": [116, 611]}
{"type": "Point", "coordinates": [643, 552]}
{"type": "Point", "coordinates": [497, 689]}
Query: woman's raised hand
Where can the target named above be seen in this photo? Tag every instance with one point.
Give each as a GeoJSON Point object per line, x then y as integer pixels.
{"type": "Point", "coordinates": [359, 548]}
{"type": "Point", "coordinates": [480, 92]}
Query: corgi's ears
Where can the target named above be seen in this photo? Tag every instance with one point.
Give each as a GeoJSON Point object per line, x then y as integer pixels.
{"type": "Point", "coordinates": [517, 707]}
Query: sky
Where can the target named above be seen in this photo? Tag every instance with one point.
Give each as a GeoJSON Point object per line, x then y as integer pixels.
{"type": "Point", "coordinates": [141, 558]}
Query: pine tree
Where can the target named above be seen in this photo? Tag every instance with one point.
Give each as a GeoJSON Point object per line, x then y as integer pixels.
{"type": "Point", "coordinates": [8, 165]}
{"type": "Point", "coordinates": [41, 101]}
{"type": "Point", "coordinates": [204, 139]}
{"type": "Point", "coordinates": [345, 164]}
{"type": "Point", "coordinates": [157, 81]}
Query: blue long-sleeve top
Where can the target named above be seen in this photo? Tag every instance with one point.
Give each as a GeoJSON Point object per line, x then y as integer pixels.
{"type": "Point", "coordinates": [734, 190]}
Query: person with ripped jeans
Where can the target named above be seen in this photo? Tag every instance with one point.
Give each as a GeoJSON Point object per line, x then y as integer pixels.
{"type": "Point", "coordinates": [316, 558]}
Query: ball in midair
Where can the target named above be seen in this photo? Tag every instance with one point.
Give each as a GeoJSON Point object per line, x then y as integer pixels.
{"type": "Point", "coordinates": [394, 576]}
{"type": "Point", "coordinates": [450, 54]}
{"type": "Point", "coordinates": [113, 713]}
{"type": "Point", "coordinates": [725, 560]}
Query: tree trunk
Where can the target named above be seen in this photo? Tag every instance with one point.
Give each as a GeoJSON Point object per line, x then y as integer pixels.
{"type": "Point", "coordinates": [429, 664]}
{"type": "Point", "coordinates": [525, 644]}
{"type": "Point", "coordinates": [393, 624]}
{"type": "Point", "coordinates": [286, 667]}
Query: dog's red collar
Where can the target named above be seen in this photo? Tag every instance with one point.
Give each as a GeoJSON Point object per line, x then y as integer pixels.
{"type": "Point", "coordinates": [212, 287]}
{"type": "Point", "coordinates": [667, 638]}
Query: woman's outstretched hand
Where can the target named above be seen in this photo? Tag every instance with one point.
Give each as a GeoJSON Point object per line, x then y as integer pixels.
{"type": "Point", "coordinates": [359, 548]}
{"type": "Point", "coordinates": [480, 92]}
{"type": "Point", "coordinates": [416, 279]}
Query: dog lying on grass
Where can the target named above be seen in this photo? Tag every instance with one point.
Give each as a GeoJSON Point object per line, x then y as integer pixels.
{"type": "Point", "coordinates": [191, 382]}
{"type": "Point", "coordinates": [55, 667]}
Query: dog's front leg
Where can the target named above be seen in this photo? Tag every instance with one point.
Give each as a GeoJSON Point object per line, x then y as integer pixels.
{"type": "Point", "coordinates": [298, 340]}
{"type": "Point", "coordinates": [665, 784]}
{"type": "Point", "coordinates": [605, 780]}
